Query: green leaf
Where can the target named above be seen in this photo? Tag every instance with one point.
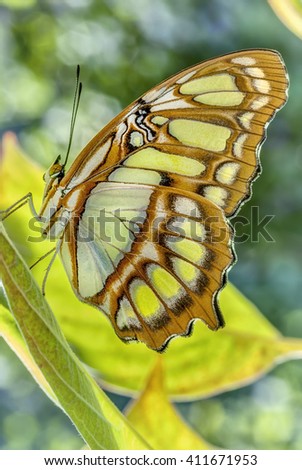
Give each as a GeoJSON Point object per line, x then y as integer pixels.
{"type": "Point", "coordinates": [11, 334]}
{"type": "Point", "coordinates": [101, 425]}
{"type": "Point", "coordinates": [158, 421]}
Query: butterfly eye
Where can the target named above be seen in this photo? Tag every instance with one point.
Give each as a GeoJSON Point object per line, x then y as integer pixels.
{"type": "Point", "coordinates": [58, 174]}
{"type": "Point", "coordinates": [56, 171]}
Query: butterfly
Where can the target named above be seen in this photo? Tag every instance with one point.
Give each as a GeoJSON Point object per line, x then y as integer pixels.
{"type": "Point", "coordinates": [142, 215]}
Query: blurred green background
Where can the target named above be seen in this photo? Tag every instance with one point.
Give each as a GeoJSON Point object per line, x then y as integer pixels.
{"type": "Point", "coordinates": [124, 48]}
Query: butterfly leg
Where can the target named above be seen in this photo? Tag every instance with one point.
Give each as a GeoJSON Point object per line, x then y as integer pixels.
{"type": "Point", "coordinates": [56, 251]}
{"type": "Point", "coordinates": [28, 198]}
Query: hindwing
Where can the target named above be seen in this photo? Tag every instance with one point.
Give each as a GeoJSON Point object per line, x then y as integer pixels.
{"type": "Point", "coordinates": [155, 265]}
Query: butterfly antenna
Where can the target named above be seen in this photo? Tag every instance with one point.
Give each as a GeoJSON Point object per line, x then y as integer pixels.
{"type": "Point", "coordinates": [75, 107]}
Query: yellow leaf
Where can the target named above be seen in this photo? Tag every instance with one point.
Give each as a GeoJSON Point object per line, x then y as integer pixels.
{"type": "Point", "coordinates": [204, 364]}
{"type": "Point", "coordinates": [290, 13]}
{"type": "Point", "coordinates": [157, 420]}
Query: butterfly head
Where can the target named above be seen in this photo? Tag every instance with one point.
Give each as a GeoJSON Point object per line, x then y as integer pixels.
{"type": "Point", "coordinates": [51, 209]}
{"type": "Point", "coordinates": [53, 176]}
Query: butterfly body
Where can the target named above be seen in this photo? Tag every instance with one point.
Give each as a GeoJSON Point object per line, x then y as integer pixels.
{"type": "Point", "coordinates": [141, 216]}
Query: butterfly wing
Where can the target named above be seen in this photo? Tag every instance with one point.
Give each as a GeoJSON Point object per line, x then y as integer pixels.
{"type": "Point", "coordinates": [184, 154]}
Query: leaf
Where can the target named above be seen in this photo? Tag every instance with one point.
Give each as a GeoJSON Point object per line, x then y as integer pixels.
{"type": "Point", "coordinates": [96, 418]}
{"type": "Point", "coordinates": [245, 349]}
{"type": "Point", "coordinates": [11, 334]}
{"type": "Point", "coordinates": [158, 421]}
{"type": "Point", "coordinates": [207, 363]}
{"type": "Point", "coordinates": [290, 13]}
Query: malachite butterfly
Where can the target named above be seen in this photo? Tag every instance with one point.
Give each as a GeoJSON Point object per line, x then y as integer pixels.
{"type": "Point", "coordinates": [141, 217]}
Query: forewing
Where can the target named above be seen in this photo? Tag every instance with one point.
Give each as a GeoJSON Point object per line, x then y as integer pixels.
{"type": "Point", "coordinates": [199, 131]}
